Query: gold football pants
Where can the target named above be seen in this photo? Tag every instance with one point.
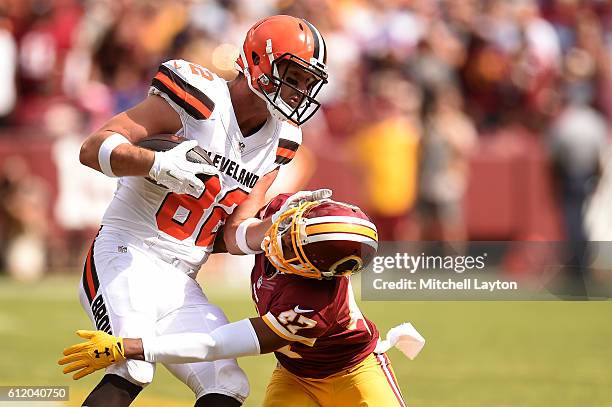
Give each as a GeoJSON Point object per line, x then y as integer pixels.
{"type": "Point", "coordinates": [369, 384]}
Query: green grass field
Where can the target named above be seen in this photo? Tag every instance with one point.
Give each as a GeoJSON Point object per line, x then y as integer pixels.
{"type": "Point", "coordinates": [477, 353]}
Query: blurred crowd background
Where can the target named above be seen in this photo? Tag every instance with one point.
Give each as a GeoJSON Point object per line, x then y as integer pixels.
{"type": "Point", "coordinates": [443, 119]}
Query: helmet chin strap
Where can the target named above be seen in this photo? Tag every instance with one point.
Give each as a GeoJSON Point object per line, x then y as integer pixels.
{"type": "Point", "coordinates": [275, 112]}
{"type": "Point", "coordinates": [247, 74]}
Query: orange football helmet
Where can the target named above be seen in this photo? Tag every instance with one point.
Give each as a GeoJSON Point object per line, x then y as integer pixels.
{"type": "Point", "coordinates": [321, 239]}
{"type": "Point", "coordinates": [269, 43]}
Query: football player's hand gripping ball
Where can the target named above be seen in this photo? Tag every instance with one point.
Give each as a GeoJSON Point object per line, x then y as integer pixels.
{"type": "Point", "coordinates": [99, 351]}
{"type": "Point", "coordinates": [172, 169]}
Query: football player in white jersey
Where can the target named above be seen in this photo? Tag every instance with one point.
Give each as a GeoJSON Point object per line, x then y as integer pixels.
{"type": "Point", "coordinates": [139, 275]}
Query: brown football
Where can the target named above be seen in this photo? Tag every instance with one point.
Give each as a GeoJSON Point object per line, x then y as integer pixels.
{"type": "Point", "coordinates": [165, 142]}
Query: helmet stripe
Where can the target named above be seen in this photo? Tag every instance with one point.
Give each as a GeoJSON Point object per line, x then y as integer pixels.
{"type": "Point", "coordinates": [313, 230]}
{"type": "Point", "coordinates": [319, 45]}
{"type": "Point", "coordinates": [336, 219]}
{"type": "Point", "coordinates": [324, 50]}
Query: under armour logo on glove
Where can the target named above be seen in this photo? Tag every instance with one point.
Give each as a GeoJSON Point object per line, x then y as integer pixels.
{"type": "Point", "coordinates": [106, 352]}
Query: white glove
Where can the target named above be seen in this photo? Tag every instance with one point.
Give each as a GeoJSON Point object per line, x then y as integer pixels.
{"type": "Point", "coordinates": [300, 197]}
{"type": "Point", "coordinates": [405, 338]}
{"type": "Point", "coordinates": [172, 169]}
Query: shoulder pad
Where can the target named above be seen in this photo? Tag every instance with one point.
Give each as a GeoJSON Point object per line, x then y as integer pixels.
{"type": "Point", "coordinates": [188, 85]}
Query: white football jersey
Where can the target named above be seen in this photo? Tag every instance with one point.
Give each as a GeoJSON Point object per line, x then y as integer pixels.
{"type": "Point", "coordinates": [184, 226]}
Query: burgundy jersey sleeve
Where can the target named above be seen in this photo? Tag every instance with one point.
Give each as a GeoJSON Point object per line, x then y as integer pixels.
{"type": "Point", "coordinates": [303, 312]}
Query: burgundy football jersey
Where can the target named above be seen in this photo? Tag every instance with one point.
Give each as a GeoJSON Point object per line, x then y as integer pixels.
{"type": "Point", "coordinates": [329, 333]}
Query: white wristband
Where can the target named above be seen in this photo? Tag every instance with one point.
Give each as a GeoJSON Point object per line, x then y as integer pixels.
{"type": "Point", "coordinates": [241, 238]}
{"type": "Point", "coordinates": [107, 147]}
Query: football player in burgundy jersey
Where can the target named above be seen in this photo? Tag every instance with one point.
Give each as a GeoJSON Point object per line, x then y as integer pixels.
{"type": "Point", "coordinates": [326, 349]}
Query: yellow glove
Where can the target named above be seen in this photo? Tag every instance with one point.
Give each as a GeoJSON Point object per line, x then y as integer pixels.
{"type": "Point", "coordinates": [100, 350]}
